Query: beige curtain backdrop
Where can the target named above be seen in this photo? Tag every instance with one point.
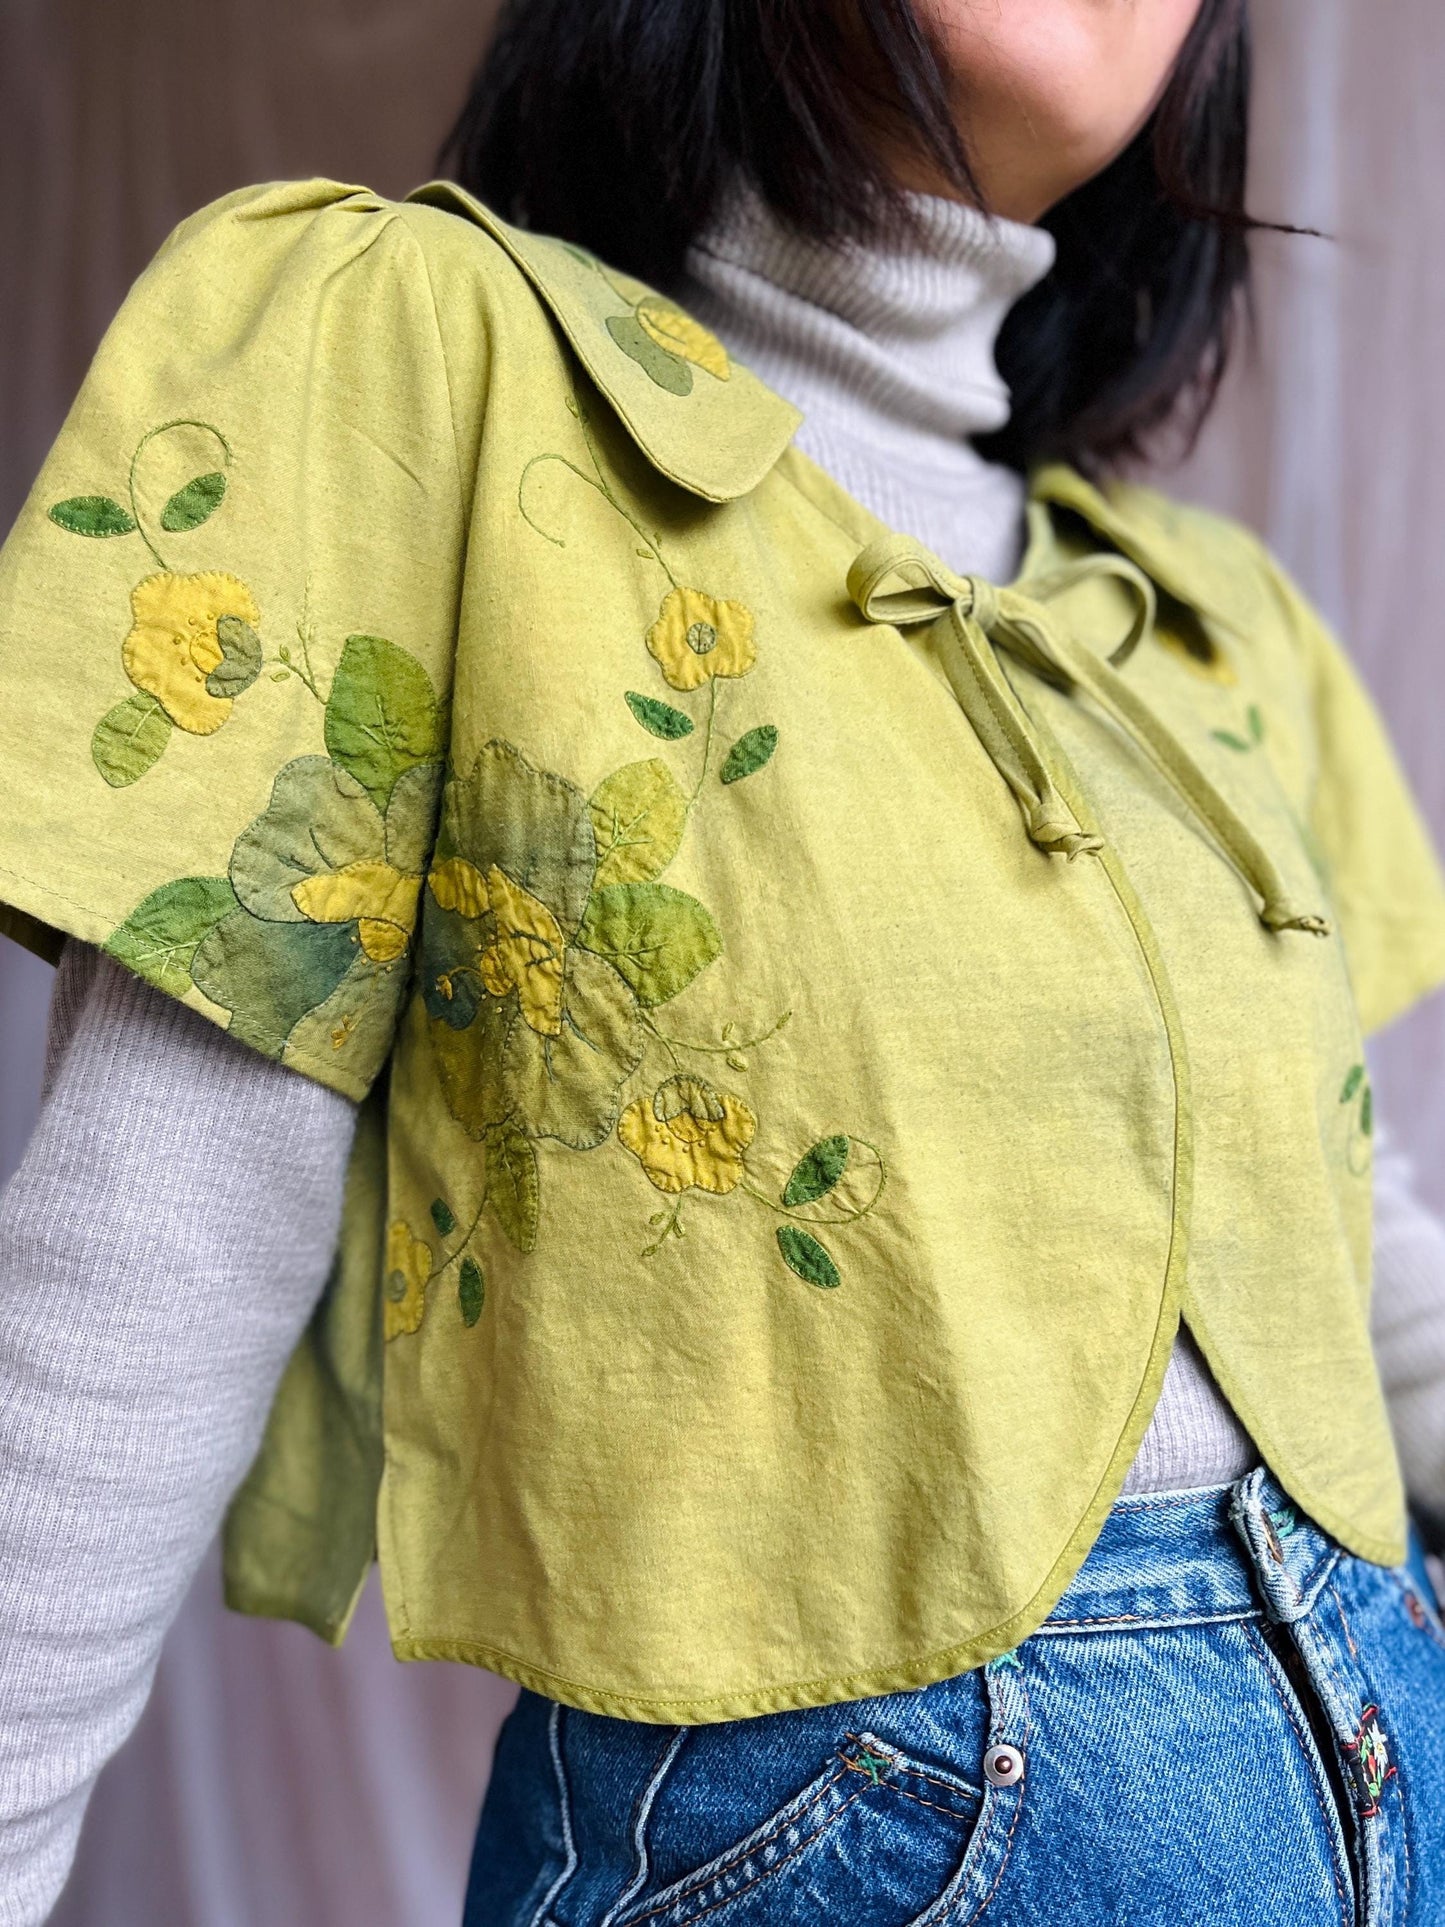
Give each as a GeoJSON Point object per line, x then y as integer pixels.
{"type": "Point", "coordinates": [272, 1781]}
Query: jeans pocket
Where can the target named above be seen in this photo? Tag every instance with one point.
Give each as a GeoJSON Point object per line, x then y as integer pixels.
{"type": "Point", "coordinates": [875, 1835]}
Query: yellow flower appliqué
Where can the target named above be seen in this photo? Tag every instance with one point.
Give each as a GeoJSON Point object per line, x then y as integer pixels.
{"type": "Point", "coordinates": [176, 643]}
{"type": "Point", "coordinates": [680, 335]}
{"type": "Point", "coordinates": [408, 1272]}
{"type": "Point", "coordinates": [689, 1136]}
{"type": "Point", "coordinates": [382, 899]}
{"type": "Point", "coordinates": [696, 637]}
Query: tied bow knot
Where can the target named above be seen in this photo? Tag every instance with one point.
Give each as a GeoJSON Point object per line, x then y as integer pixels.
{"type": "Point", "coordinates": [896, 580]}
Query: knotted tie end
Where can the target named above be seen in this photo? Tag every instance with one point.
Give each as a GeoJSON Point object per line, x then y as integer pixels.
{"type": "Point", "coordinates": [1065, 839]}
{"type": "Point", "coordinates": [1280, 917]}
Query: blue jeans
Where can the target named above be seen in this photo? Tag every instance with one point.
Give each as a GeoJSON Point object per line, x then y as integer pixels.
{"type": "Point", "coordinates": [1227, 1721]}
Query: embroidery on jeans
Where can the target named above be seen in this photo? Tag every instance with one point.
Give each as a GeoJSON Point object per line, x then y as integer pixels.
{"type": "Point", "coordinates": [1368, 1755]}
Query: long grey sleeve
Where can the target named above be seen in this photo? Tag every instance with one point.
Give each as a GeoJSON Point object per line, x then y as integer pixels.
{"type": "Point", "coordinates": [161, 1248]}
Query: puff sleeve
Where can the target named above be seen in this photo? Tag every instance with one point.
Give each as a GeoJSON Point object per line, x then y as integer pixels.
{"type": "Point", "coordinates": [227, 622]}
{"type": "Point", "coordinates": [1366, 831]}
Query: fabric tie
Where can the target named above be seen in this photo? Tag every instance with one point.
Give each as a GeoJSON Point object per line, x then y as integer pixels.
{"type": "Point", "coordinates": [898, 581]}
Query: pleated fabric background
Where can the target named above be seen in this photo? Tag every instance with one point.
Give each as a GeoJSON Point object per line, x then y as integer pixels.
{"type": "Point", "coordinates": [272, 1781]}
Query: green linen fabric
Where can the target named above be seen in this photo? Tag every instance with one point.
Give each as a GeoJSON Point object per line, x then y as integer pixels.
{"type": "Point", "coordinates": [821, 1021]}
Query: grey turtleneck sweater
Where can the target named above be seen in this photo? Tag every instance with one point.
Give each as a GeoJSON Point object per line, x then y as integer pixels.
{"type": "Point", "coordinates": [148, 1307]}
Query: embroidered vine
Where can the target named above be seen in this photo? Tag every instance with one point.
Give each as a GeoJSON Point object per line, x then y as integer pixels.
{"type": "Point", "coordinates": [412, 1269]}
{"type": "Point", "coordinates": [192, 647]}
{"type": "Point", "coordinates": [551, 942]}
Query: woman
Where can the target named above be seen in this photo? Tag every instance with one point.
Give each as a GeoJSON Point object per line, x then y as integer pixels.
{"type": "Point", "coordinates": [868, 1198]}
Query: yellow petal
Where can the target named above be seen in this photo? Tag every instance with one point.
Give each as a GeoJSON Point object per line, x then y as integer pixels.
{"type": "Point", "coordinates": [383, 942]}
{"type": "Point", "coordinates": [638, 1131]}
{"type": "Point", "coordinates": [670, 328]}
{"type": "Point", "coordinates": [370, 889]}
{"type": "Point", "coordinates": [460, 886]}
{"type": "Point", "coordinates": [206, 651]}
{"type": "Point", "coordinates": [717, 1163]}
{"type": "Point", "coordinates": [528, 954]}
{"type": "Point", "coordinates": [408, 1273]}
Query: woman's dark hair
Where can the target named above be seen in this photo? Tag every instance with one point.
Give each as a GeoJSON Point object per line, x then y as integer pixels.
{"type": "Point", "coordinates": [619, 124]}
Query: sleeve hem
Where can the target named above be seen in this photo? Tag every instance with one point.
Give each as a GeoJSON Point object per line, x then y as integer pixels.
{"type": "Point", "coordinates": [40, 919]}
{"type": "Point", "coordinates": [1425, 976]}
{"type": "Point", "coordinates": [43, 940]}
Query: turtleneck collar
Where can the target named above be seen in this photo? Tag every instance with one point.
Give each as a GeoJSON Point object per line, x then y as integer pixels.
{"type": "Point", "coordinates": [888, 349]}
{"type": "Point", "coordinates": [910, 326]}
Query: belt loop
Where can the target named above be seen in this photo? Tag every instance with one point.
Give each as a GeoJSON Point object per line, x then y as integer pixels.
{"type": "Point", "coordinates": [1264, 1526]}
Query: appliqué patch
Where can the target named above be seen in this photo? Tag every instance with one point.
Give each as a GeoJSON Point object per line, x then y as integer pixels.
{"type": "Point", "coordinates": [305, 940]}
{"type": "Point", "coordinates": [192, 647]}
{"type": "Point", "coordinates": [551, 945]}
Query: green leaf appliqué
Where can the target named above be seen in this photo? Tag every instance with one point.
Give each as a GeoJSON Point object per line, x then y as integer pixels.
{"type": "Point", "coordinates": [1353, 1081]}
{"type": "Point", "coordinates": [95, 515]}
{"type": "Point", "coordinates": [471, 1291]}
{"type": "Point", "coordinates": [639, 814]}
{"type": "Point", "coordinates": [513, 1185]}
{"type": "Point", "coordinates": [656, 937]}
{"type": "Point", "coordinates": [160, 936]}
{"type": "Point", "coordinates": [193, 504]}
{"type": "Point", "coordinates": [668, 370]}
{"type": "Point", "coordinates": [443, 1217]}
{"type": "Point", "coordinates": [129, 738]}
{"type": "Point", "coordinates": [803, 1254]}
{"type": "Point", "coordinates": [382, 715]}
{"type": "Point", "coordinates": [240, 662]}
{"type": "Point", "coordinates": [749, 753]}
{"type": "Point", "coordinates": [659, 718]}
{"type": "Point", "coordinates": [816, 1172]}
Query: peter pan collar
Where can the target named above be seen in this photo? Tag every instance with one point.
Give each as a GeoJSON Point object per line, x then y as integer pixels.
{"type": "Point", "coordinates": [1173, 546]}
{"type": "Point", "coordinates": [710, 425]}
{"type": "Point", "coordinates": [701, 418]}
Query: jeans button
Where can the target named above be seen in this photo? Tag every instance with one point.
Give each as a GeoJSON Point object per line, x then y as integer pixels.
{"type": "Point", "coordinates": [1003, 1766]}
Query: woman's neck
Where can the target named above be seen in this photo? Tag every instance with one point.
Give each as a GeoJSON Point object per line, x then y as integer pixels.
{"type": "Point", "coordinates": [888, 349]}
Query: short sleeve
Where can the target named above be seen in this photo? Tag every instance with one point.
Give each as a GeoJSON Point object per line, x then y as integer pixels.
{"type": "Point", "coordinates": [227, 623]}
{"type": "Point", "coordinates": [1382, 869]}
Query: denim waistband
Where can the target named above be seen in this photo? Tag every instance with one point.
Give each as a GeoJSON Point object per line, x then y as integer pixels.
{"type": "Point", "coordinates": [1180, 1558]}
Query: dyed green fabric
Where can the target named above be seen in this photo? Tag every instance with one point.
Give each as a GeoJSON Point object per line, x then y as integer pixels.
{"type": "Point", "coordinates": [822, 1020]}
